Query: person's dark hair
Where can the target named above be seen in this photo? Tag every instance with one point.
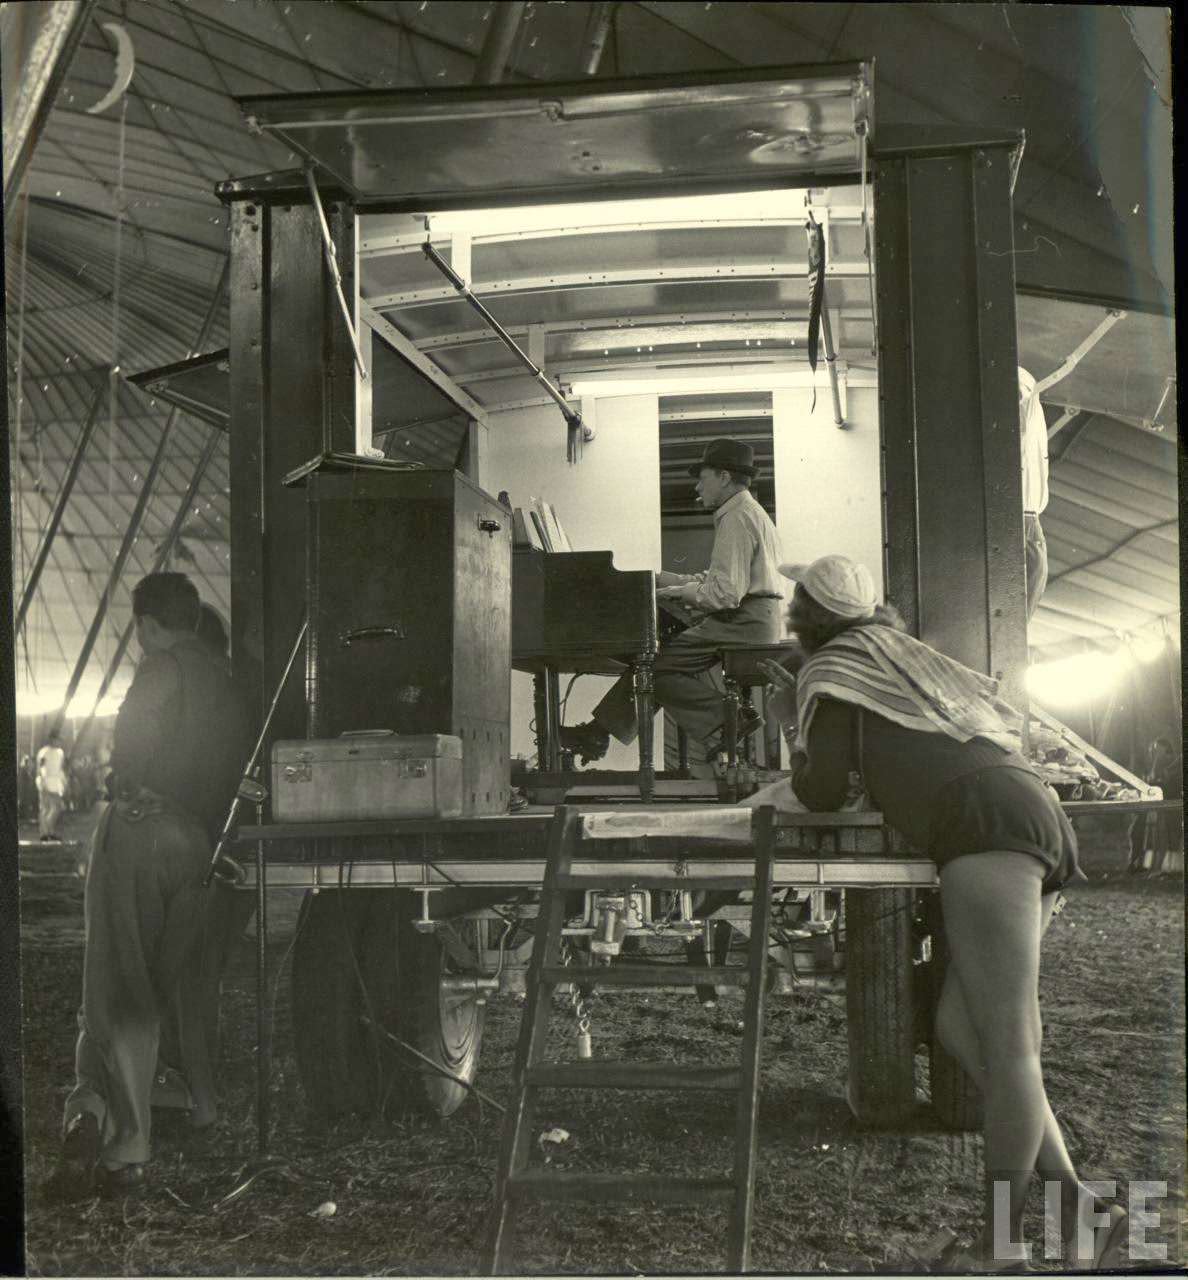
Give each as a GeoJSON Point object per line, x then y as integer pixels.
{"type": "Point", "coordinates": [740, 477]}
{"type": "Point", "coordinates": [170, 598]}
{"type": "Point", "coordinates": [53, 739]}
{"type": "Point", "coordinates": [814, 625]}
{"type": "Point", "coordinates": [212, 632]}
{"type": "Point", "coordinates": [1165, 743]}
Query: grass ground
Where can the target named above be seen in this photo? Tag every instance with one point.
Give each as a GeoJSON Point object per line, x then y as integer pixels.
{"type": "Point", "coordinates": [410, 1197]}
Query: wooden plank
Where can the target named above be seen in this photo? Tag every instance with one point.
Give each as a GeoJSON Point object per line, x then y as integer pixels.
{"type": "Point", "coordinates": [719, 822]}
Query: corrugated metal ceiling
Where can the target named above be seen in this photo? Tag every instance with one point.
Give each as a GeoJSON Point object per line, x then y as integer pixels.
{"type": "Point", "coordinates": [1093, 218]}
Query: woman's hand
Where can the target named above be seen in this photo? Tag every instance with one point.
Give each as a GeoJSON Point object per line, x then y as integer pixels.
{"type": "Point", "coordinates": [777, 675]}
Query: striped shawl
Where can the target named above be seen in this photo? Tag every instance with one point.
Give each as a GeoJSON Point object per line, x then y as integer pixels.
{"type": "Point", "coordinates": [903, 679]}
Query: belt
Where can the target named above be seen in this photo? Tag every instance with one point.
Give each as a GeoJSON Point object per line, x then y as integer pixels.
{"type": "Point", "coordinates": [761, 595]}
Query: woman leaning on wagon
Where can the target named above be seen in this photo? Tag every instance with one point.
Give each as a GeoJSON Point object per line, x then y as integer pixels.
{"type": "Point", "coordinates": [939, 753]}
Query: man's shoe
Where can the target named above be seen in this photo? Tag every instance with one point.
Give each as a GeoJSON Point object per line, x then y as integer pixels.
{"type": "Point", "coordinates": [73, 1178]}
{"type": "Point", "coordinates": [589, 741]}
{"type": "Point", "coordinates": [128, 1180]}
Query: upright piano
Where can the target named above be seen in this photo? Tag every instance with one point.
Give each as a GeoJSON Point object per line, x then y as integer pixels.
{"type": "Point", "coordinates": [573, 612]}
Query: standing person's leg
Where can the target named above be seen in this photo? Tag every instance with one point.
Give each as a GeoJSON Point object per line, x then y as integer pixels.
{"type": "Point", "coordinates": [955, 1030]}
{"type": "Point", "coordinates": [50, 815]}
{"type": "Point", "coordinates": [1035, 548]}
{"type": "Point", "coordinates": [993, 921]}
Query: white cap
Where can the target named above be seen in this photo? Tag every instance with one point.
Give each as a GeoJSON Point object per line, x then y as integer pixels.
{"type": "Point", "coordinates": [841, 585]}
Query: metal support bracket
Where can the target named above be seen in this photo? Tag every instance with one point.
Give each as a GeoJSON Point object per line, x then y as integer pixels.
{"type": "Point", "coordinates": [573, 419]}
{"type": "Point", "coordinates": [335, 274]}
{"type": "Point", "coordinates": [1079, 353]}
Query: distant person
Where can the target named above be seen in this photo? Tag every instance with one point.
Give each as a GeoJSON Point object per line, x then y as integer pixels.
{"type": "Point", "coordinates": [1162, 833]}
{"type": "Point", "coordinates": [175, 767]}
{"type": "Point", "coordinates": [1033, 438]}
{"type": "Point", "coordinates": [738, 598]}
{"type": "Point", "coordinates": [26, 790]}
{"type": "Point", "coordinates": [51, 787]}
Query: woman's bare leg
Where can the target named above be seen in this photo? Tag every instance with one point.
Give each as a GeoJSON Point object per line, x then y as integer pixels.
{"type": "Point", "coordinates": [994, 918]}
{"type": "Point", "coordinates": [956, 1032]}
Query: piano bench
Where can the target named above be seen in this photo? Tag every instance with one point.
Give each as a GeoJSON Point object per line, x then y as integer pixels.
{"type": "Point", "coordinates": [741, 673]}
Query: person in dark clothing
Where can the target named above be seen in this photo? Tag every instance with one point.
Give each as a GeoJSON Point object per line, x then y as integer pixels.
{"type": "Point", "coordinates": [175, 765]}
{"type": "Point", "coordinates": [1162, 833]}
{"type": "Point", "coordinates": [933, 746]}
{"type": "Point", "coordinates": [26, 790]}
{"type": "Point", "coordinates": [182, 1084]}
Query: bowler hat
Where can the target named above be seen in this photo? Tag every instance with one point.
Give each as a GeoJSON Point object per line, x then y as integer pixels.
{"type": "Point", "coordinates": [726, 455]}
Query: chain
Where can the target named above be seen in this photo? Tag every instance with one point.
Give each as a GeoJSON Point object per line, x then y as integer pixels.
{"type": "Point", "coordinates": [578, 1004]}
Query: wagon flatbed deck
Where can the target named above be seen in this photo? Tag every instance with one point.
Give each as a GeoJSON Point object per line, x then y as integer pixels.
{"type": "Point", "coordinates": [834, 850]}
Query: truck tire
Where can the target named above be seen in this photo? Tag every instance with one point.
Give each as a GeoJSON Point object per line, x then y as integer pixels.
{"type": "Point", "coordinates": [357, 957]}
{"type": "Point", "coordinates": [344, 969]}
{"type": "Point", "coordinates": [447, 1027]}
{"type": "Point", "coordinates": [879, 1006]}
{"type": "Point", "coordinates": [956, 1100]}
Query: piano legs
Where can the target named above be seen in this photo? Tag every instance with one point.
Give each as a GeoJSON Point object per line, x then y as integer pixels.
{"type": "Point", "coordinates": [546, 694]}
{"type": "Point", "coordinates": [547, 707]}
{"type": "Point", "coordinates": [645, 712]}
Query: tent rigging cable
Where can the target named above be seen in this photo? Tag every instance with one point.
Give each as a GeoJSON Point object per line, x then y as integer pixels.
{"type": "Point", "coordinates": [19, 462]}
{"type": "Point", "coordinates": [113, 389]}
{"type": "Point", "coordinates": [573, 419]}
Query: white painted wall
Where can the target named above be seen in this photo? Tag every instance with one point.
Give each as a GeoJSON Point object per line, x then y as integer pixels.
{"type": "Point", "coordinates": [609, 501]}
{"type": "Point", "coordinates": [827, 481]}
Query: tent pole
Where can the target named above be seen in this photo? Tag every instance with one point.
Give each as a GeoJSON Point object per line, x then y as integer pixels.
{"type": "Point", "coordinates": [59, 511]}
{"type": "Point", "coordinates": [138, 511]}
{"type": "Point", "coordinates": [492, 61]}
{"type": "Point", "coordinates": [163, 555]}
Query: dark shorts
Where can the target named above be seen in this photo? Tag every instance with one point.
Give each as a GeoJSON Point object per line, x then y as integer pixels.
{"type": "Point", "coordinates": [1004, 808]}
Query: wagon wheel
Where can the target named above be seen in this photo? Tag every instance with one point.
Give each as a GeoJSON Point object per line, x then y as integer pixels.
{"type": "Point", "coordinates": [445, 1025]}
{"type": "Point", "coordinates": [344, 970]}
{"type": "Point", "coordinates": [879, 1005]}
{"type": "Point", "coordinates": [359, 969]}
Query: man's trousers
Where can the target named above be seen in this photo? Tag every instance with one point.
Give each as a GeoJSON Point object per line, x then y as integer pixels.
{"type": "Point", "coordinates": [49, 813]}
{"type": "Point", "coordinates": [683, 670]}
{"type": "Point", "coordinates": [144, 916]}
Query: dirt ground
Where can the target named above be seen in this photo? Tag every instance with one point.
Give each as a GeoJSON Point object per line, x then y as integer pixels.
{"type": "Point", "coordinates": [411, 1197]}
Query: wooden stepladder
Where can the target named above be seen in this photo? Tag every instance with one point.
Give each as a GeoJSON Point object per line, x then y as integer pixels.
{"type": "Point", "coordinates": [516, 1180]}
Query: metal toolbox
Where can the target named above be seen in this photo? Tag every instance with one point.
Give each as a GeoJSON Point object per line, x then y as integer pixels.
{"type": "Point", "coordinates": [377, 774]}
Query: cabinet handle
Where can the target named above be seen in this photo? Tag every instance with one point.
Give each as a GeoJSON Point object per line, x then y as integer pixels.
{"type": "Point", "coordinates": [489, 526]}
{"type": "Point", "coordinates": [347, 638]}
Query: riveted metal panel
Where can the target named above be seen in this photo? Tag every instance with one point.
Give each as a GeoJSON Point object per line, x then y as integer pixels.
{"type": "Point", "coordinates": [948, 399]}
{"type": "Point", "coordinates": [897, 415]}
{"type": "Point", "coordinates": [1003, 495]}
{"type": "Point", "coordinates": [248, 337]}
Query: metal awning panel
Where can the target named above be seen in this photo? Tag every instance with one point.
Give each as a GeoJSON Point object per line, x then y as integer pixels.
{"type": "Point", "coordinates": [587, 139]}
{"type": "Point", "coordinates": [200, 386]}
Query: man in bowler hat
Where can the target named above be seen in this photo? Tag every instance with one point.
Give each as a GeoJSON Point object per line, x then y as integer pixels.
{"type": "Point", "coordinates": [738, 599]}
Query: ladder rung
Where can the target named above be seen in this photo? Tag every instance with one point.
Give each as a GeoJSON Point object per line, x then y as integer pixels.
{"type": "Point", "coordinates": [632, 1075]}
{"type": "Point", "coordinates": [615, 878]}
{"type": "Point", "coordinates": [607, 1188]}
{"type": "Point", "coordinates": [644, 975]}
